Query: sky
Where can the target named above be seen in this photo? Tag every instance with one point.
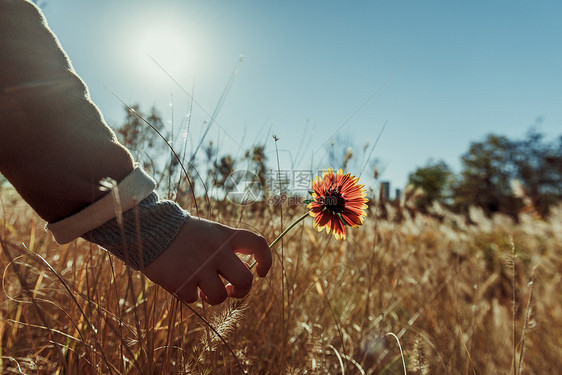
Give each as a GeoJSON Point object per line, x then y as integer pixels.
{"type": "Point", "coordinates": [436, 75]}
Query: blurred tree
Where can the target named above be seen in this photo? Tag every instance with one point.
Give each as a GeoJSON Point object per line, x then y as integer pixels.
{"type": "Point", "coordinates": [485, 177]}
{"type": "Point", "coordinates": [256, 159]}
{"type": "Point", "coordinates": [222, 169]}
{"type": "Point", "coordinates": [435, 180]}
{"type": "Point", "coordinates": [538, 166]}
{"type": "Point", "coordinates": [156, 157]}
{"type": "Point", "coordinates": [145, 144]}
{"type": "Point", "coordinates": [490, 166]}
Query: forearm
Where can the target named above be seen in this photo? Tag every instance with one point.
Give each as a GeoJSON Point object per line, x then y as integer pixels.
{"type": "Point", "coordinates": [54, 143]}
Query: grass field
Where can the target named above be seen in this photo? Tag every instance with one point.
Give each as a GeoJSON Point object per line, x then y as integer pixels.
{"type": "Point", "coordinates": [483, 298]}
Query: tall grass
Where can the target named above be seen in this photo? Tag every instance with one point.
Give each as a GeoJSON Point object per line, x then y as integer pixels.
{"type": "Point", "coordinates": [460, 299]}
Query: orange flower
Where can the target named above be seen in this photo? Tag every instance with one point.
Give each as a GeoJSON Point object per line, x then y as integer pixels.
{"type": "Point", "coordinates": [338, 201]}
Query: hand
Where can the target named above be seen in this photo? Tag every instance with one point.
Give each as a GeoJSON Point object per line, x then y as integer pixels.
{"type": "Point", "coordinates": [201, 252]}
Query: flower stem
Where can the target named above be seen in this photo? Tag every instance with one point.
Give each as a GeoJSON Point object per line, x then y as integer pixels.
{"type": "Point", "coordinates": [285, 232]}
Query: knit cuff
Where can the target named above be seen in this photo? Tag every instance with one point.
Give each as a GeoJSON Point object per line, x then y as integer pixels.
{"type": "Point", "coordinates": [146, 232]}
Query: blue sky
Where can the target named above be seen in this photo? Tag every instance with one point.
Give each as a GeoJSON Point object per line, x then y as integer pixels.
{"type": "Point", "coordinates": [440, 74]}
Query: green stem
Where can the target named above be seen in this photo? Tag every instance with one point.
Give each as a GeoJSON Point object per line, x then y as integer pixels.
{"type": "Point", "coordinates": [285, 232]}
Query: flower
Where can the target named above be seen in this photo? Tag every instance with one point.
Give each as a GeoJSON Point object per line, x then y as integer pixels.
{"type": "Point", "coordinates": [338, 201]}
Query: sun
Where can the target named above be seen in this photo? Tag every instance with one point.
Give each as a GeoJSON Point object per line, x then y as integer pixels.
{"type": "Point", "coordinates": [154, 43]}
{"type": "Point", "coordinates": [162, 48]}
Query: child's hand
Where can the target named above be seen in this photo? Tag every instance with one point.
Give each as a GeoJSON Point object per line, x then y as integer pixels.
{"type": "Point", "coordinates": [201, 252]}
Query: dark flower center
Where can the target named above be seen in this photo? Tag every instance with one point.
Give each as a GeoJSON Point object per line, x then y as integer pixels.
{"type": "Point", "coordinates": [333, 201]}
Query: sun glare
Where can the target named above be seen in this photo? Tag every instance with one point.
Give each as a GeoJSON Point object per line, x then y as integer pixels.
{"type": "Point", "coordinates": [163, 46]}
{"type": "Point", "coordinates": [155, 41]}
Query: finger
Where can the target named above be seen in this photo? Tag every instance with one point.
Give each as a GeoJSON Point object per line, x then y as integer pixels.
{"type": "Point", "coordinates": [212, 288]}
{"type": "Point", "coordinates": [238, 274]}
{"type": "Point", "coordinates": [235, 292]}
{"type": "Point", "coordinates": [246, 242]}
{"type": "Point", "coordinates": [188, 293]}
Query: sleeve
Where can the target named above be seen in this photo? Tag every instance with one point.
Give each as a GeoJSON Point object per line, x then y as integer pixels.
{"type": "Point", "coordinates": [55, 148]}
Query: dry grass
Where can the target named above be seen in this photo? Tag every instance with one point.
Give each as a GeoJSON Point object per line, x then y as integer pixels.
{"type": "Point", "coordinates": [444, 289]}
